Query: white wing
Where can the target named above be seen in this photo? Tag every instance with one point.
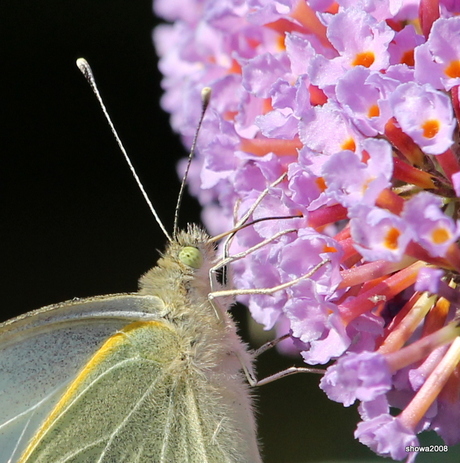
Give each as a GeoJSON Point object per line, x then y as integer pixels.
{"type": "Point", "coordinates": [42, 351]}
{"type": "Point", "coordinates": [141, 399]}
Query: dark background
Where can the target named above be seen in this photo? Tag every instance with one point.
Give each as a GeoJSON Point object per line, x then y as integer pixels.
{"type": "Point", "coordinates": [73, 223]}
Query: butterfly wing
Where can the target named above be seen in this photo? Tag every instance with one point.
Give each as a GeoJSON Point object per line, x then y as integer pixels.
{"type": "Point", "coordinates": [141, 399]}
{"type": "Point", "coordinates": [113, 409]}
{"type": "Point", "coordinates": [42, 351]}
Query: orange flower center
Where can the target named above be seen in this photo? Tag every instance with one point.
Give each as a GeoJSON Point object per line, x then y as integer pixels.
{"type": "Point", "coordinates": [391, 239]}
{"type": "Point", "coordinates": [320, 183]}
{"type": "Point", "coordinates": [365, 58]}
{"type": "Point", "coordinates": [349, 145]}
{"type": "Point", "coordinates": [374, 111]}
{"type": "Point", "coordinates": [430, 128]}
{"type": "Point", "coordinates": [440, 235]}
{"type": "Point", "coordinates": [453, 70]}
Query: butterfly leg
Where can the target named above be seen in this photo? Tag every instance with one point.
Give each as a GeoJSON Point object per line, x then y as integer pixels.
{"type": "Point", "coordinates": [288, 371]}
{"type": "Point", "coordinates": [270, 344]}
{"type": "Point", "coordinates": [259, 199]}
{"type": "Point", "coordinates": [251, 377]}
{"type": "Point", "coordinates": [240, 223]}
{"type": "Point", "coordinates": [213, 270]}
{"type": "Point", "coordinates": [239, 292]}
{"type": "Point", "coordinates": [247, 368]}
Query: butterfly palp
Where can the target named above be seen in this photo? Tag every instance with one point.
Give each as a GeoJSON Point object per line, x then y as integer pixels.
{"type": "Point", "coordinates": [191, 256]}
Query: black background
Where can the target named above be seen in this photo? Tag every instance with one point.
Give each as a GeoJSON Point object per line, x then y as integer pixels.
{"type": "Point", "coordinates": [73, 223]}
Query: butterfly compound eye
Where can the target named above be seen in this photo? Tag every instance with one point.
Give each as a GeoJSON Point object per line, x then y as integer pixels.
{"type": "Point", "coordinates": [191, 256]}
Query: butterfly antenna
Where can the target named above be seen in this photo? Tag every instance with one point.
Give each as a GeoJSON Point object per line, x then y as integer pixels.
{"type": "Point", "coordinates": [205, 98]}
{"type": "Point", "coordinates": [85, 68]}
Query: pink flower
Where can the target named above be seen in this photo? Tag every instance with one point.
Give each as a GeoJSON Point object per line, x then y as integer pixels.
{"type": "Point", "coordinates": [438, 60]}
{"type": "Point", "coordinates": [425, 115]}
{"type": "Point", "coordinates": [357, 103]}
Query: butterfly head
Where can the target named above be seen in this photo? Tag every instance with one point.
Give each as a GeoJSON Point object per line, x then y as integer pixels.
{"type": "Point", "coordinates": [185, 264]}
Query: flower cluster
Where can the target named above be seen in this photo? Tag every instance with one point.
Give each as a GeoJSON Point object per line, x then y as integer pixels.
{"type": "Point", "coordinates": [356, 103]}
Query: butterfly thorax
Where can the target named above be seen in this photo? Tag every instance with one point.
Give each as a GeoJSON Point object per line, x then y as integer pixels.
{"type": "Point", "coordinates": [184, 292]}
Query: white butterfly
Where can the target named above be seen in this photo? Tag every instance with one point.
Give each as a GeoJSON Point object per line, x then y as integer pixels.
{"type": "Point", "coordinates": [154, 376]}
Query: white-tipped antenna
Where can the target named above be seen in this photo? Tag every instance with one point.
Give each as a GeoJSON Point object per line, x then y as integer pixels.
{"type": "Point", "coordinates": [205, 98]}
{"type": "Point", "coordinates": [88, 73]}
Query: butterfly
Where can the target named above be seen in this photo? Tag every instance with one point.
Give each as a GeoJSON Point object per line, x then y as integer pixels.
{"type": "Point", "coordinates": [160, 375]}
